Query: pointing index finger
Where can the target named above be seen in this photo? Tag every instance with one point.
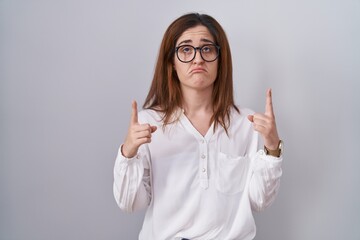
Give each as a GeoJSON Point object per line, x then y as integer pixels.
{"type": "Point", "coordinates": [269, 106]}
{"type": "Point", "coordinates": [134, 112]}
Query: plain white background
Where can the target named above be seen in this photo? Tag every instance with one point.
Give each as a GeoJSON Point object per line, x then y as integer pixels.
{"type": "Point", "coordinates": [69, 70]}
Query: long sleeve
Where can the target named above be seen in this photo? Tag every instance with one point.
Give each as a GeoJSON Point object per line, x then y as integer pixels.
{"type": "Point", "coordinates": [265, 173]}
{"type": "Point", "coordinates": [185, 178]}
{"type": "Point", "coordinates": [265, 180]}
{"type": "Point", "coordinates": [132, 181]}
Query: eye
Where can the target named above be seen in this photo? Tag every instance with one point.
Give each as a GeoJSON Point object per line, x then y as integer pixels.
{"type": "Point", "coordinates": [207, 49]}
{"type": "Point", "coordinates": [186, 49]}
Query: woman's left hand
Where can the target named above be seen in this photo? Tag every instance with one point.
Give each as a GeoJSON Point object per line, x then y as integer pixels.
{"type": "Point", "coordinates": [265, 124]}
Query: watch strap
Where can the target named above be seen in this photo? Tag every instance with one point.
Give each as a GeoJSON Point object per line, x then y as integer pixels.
{"type": "Point", "coordinates": [276, 153]}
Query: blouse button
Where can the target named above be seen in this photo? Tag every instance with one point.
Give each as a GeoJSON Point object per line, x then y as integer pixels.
{"type": "Point", "coordinates": [202, 141]}
{"type": "Point", "coordinates": [204, 169]}
{"type": "Point", "coordinates": [203, 156]}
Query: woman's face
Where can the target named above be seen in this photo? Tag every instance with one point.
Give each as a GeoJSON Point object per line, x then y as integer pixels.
{"type": "Point", "coordinates": [196, 74]}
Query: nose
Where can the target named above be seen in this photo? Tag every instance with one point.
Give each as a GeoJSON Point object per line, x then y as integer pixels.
{"type": "Point", "coordinates": [198, 58]}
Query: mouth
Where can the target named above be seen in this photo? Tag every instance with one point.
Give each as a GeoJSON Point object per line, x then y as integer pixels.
{"type": "Point", "coordinates": [198, 70]}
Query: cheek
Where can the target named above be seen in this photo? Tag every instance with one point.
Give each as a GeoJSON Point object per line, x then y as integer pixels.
{"type": "Point", "coordinates": [180, 70]}
{"type": "Point", "coordinates": [214, 71]}
{"type": "Point", "coordinates": [177, 66]}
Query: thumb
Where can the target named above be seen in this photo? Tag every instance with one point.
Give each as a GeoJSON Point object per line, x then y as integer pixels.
{"type": "Point", "coordinates": [153, 128]}
{"type": "Point", "coordinates": [251, 118]}
{"type": "Point", "coordinates": [134, 113]}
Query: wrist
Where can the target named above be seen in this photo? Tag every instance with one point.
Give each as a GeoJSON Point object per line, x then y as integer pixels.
{"type": "Point", "coordinates": [272, 142]}
{"type": "Point", "coordinates": [126, 153]}
{"type": "Point", "coordinates": [275, 151]}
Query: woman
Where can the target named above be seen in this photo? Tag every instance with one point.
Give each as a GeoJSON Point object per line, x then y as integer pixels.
{"type": "Point", "coordinates": [191, 156]}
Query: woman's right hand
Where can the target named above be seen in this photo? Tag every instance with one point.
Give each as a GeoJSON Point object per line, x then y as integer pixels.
{"type": "Point", "coordinates": [137, 135]}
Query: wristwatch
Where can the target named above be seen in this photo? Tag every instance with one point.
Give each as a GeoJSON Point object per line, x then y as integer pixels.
{"type": "Point", "coordinates": [277, 152]}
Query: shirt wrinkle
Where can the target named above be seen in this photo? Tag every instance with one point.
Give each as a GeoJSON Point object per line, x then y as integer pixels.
{"type": "Point", "coordinates": [213, 182]}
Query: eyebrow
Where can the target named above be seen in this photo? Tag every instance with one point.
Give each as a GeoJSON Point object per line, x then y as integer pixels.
{"type": "Point", "coordinates": [190, 41]}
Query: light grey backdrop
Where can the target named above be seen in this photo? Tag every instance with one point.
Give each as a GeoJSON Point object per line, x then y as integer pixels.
{"type": "Point", "coordinates": [69, 70]}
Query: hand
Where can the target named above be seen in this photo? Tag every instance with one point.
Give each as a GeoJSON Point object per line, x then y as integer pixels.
{"type": "Point", "coordinates": [137, 135]}
{"type": "Point", "coordinates": [265, 124]}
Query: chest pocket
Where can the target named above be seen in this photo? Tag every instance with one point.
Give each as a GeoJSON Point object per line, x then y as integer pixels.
{"type": "Point", "coordinates": [231, 173]}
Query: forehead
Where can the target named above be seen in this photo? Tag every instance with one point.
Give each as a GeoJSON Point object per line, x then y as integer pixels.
{"type": "Point", "coordinates": [197, 33]}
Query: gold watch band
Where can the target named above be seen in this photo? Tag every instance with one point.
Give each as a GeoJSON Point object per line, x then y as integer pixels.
{"type": "Point", "coordinates": [276, 152]}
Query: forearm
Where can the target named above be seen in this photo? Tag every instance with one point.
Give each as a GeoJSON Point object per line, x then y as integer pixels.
{"type": "Point", "coordinates": [131, 183]}
{"type": "Point", "coordinates": [265, 180]}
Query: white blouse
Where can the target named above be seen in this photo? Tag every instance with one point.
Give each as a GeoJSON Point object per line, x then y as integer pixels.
{"type": "Point", "coordinates": [197, 187]}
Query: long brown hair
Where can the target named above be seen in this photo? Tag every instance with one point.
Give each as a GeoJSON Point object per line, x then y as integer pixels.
{"type": "Point", "coordinates": [165, 93]}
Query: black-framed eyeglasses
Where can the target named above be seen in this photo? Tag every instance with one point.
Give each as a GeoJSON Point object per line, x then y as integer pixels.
{"type": "Point", "coordinates": [187, 53]}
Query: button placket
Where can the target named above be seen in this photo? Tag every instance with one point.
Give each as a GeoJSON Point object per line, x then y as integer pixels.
{"type": "Point", "coordinates": [203, 163]}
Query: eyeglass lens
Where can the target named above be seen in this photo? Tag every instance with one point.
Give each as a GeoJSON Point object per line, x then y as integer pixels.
{"type": "Point", "coordinates": [186, 53]}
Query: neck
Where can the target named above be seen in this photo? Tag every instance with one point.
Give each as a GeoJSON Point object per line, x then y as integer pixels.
{"type": "Point", "coordinates": [195, 102]}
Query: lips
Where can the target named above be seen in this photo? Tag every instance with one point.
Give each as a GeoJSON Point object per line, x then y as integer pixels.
{"type": "Point", "coordinates": [198, 70]}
